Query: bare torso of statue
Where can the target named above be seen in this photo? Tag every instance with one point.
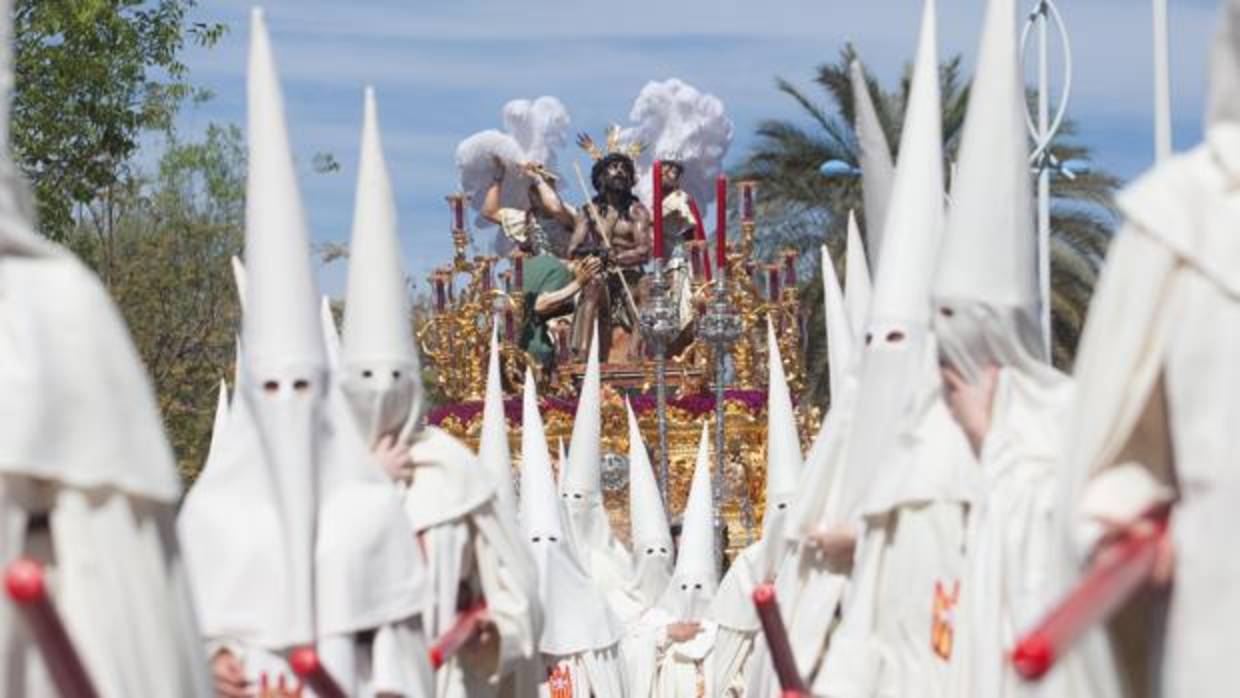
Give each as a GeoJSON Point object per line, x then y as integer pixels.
{"type": "Point", "coordinates": [615, 227]}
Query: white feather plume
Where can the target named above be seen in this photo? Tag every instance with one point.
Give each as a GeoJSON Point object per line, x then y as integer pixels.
{"type": "Point", "coordinates": [675, 118]}
{"type": "Point", "coordinates": [533, 130]}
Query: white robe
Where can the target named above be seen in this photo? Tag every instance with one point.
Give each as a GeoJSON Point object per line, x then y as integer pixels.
{"type": "Point", "coordinates": [104, 476]}
{"type": "Point", "coordinates": [1157, 380]}
{"type": "Point", "coordinates": [1013, 535]}
{"type": "Point", "coordinates": [118, 585]}
{"type": "Point", "coordinates": [380, 667]}
{"type": "Point", "coordinates": [733, 610]}
{"type": "Point", "coordinates": [597, 673]}
{"type": "Point", "coordinates": [910, 559]}
{"type": "Point", "coordinates": [662, 668]}
{"type": "Point", "coordinates": [452, 507]}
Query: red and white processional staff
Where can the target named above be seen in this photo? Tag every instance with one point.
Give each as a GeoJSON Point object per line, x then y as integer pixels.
{"type": "Point", "coordinates": [1119, 570]}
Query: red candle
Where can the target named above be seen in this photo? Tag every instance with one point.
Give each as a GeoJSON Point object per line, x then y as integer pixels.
{"type": "Point", "coordinates": [518, 272]}
{"type": "Point", "coordinates": [564, 355]}
{"type": "Point", "coordinates": [658, 209]}
{"type": "Point", "coordinates": [721, 224]}
{"type": "Point", "coordinates": [458, 211]}
{"type": "Point", "coordinates": [699, 237]}
{"type": "Point", "coordinates": [440, 299]}
{"type": "Point", "coordinates": [772, 281]}
{"type": "Point", "coordinates": [790, 268]}
{"type": "Point", "coordinates": [487, 282]}
{"type": "Point", "coordinates": [747, 202]}
{"type": "Point", "coordinates": [509, 325]}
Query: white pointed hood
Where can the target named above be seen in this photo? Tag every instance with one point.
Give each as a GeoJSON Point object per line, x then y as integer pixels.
{"type": "Point", "coordinates": [914, 222]}
{"type": "Point", "coordinates": [493, 448]}
{"type": "Point", "coordinates": [986, 297]}
{"type": "Point", "coordinates": [285, 358]}
{"type": "Point", "coordinates": [858, 288]}
{"type": "Point", "coordinates": [877, 168]}
{"type": "Point", "coordinates": [541, 511]}
{"type": "Point", "coordinates": [783, 444]}
{"type": "Point", "coordinates": [648, 527]}
{"type": "Point", "coordinates": [380, 364]}
{"type": "Point", "coordinates": [583, 482]}
{"type": "Point", "coordinates": [281, 323]}
{"type": "Point", "coordinates": [696, 575]}
{"type": "Point", "coordinates": [841, 342]}
{"type": "Point", "coordinates": [576, 614]}
{"type": "Point", "coordinates": [899, 374]}
{"type": "Point", "coordinates": [581, 485]}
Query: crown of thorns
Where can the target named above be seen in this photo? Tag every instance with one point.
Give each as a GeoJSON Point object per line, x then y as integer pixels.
{"type": "Point", "coordinates": [614, 147]}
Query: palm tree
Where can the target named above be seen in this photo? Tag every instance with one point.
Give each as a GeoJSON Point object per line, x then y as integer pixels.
{"type": "Point", "coordinates": [802, 208]}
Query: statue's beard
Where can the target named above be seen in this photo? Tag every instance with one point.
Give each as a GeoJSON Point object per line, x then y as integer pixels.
{"type": "Point", "coordinates": [619, 184]}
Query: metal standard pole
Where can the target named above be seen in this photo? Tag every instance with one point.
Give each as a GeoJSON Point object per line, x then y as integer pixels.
{"type": "Point", "coordinates": [1044, 177]}
{"type": "Point", "coordinates": [1162, 84]}
{"type": "Point", "coordinates": [720, 328]}
{"type": "Point", "coordinates": [721, 386]}
{"type": "Point", "coordinates": [1043, 129]}
{"type": "Point", "coordinates": [660, 319]}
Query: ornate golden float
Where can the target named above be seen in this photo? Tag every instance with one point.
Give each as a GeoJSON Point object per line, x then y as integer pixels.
{"type": "Point", "coordinates": [455, 341]}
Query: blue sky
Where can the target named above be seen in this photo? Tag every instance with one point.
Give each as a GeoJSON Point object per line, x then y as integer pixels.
{"type": "Point", "coordinates": [444, 69]}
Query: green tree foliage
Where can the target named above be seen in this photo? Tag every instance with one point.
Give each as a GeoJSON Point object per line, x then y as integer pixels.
{"type": "Point", "coordinates": [803, 209]}
{"type": "Point", "coordinates": [92, 77]}
{"type": "Point", "coordinates": [161, 244]}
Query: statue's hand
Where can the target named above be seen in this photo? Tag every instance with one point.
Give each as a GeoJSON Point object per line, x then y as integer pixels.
{"type": "Point", "coordinates": [587, 269]}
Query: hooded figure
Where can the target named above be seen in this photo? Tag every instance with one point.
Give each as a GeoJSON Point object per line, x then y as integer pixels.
{"type": "Point", "coordinates": [653, 551]}
{"type": "Point", "coordinates": [580, 641]}
{"type": "Point", "coordinates": [733, 607]}
{"type": "Point", "coordinates": [1157, 388]}
{"type": "Point", "coordinates": [257, 601]}
{"type": "Point", "coordinates": [581, 487]}
{"type": "Point", "coordinates": [493, 449]}
{"type": "Point", "coordinates": [86, 489]}
{"type": "Point", "coordinates": [676, 635]}
{"type": "Point", "coordinates": [907, 477]}
{"type": "Point", "coordinates": [809, 581]}
{"type": "Point", "coordinates": [1011, 404]}
{"type": "Point", "coordinates": [466, 550]}
{"type": "Point", "coordinates": [649, 531]}
{"type": "Point", "coordinates": [292, 512]}
{"type": "Point", "coordinates": [364, 538]}
{"type": "Point", "coordinates": [877, 168]}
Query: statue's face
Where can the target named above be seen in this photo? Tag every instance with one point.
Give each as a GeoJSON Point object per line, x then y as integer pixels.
{"type": "Point", "coordinates": [616, 177]}
{"type": "Point", "coordinates": [671, 177]}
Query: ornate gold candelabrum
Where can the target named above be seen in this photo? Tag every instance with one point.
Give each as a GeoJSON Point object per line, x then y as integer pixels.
{"type": "Point", "coordinates": [456, 338]}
